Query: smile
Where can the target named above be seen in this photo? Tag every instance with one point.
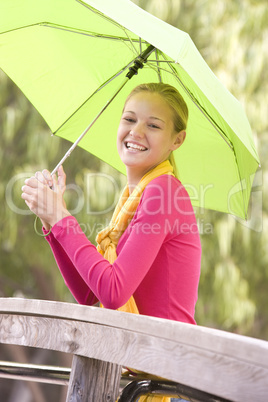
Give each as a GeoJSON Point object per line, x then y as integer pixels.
{"type": "Point", "coordinates": [131, 145]}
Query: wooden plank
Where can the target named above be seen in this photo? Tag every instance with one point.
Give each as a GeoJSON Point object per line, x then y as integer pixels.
{"type": "Point", "coordinates": [93, 380]}
{"type": "Point", "coordinates": [202, 368]}
{"type": "Point", "coordinates": [220, 342]}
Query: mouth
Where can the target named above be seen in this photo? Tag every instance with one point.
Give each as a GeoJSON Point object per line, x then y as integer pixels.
{"type": "Point", "coordinates": [135, 147]}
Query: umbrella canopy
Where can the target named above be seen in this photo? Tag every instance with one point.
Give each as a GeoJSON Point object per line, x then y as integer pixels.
{"type": "Point", "coordinates": [70, 56]}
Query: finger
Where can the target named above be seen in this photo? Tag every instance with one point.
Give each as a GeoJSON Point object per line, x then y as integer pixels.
{"type": "Point", "coordinates": [47, 175]}
{"type": "Point", "coordinates": [32, 182]}
{"type": "Point", "coordinates": [28, 190]}
{"type": "Point", "coordinates": [55, 184]}
{"type": "Point", "coordinates": [41, 178]}
{"type": "Point", "coordinates": [31, 204]}
{"type": "Point", "coordinates": [61, 179]}
{"type": "Point", "coordinates": [27, 197]}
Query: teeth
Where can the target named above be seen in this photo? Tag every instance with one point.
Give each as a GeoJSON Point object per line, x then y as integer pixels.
{"type": "Point", "coordinates": [135, 146]}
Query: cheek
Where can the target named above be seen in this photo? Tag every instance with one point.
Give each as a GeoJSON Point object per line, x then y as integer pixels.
{"type": "Point", "coordinates": [156, 143]}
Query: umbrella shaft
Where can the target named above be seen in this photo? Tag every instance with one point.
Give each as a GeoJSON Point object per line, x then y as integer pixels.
{"type": "Point", "coordinates": [70, 150]}
{"type": "Point", "coordinates": [137, 64]}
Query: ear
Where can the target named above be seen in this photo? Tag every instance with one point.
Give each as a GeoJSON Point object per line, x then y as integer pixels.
{"type": "Point", "coordinates": [178, 140]}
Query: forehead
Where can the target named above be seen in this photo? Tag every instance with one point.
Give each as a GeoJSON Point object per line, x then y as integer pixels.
{"type": "Point", "coordinates": [148, 102]}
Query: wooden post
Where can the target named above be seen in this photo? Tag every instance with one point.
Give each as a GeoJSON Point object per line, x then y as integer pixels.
{"type": "Point", "coordinates": [93, 380]}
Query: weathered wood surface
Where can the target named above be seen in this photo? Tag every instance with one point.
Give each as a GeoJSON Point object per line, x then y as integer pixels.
{"type": "Point", "coordinates": [93, 380]}
{"type": "Point", "coordinates": [224, 364]}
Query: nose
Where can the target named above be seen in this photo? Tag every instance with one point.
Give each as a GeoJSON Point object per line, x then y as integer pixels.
{"type": "Point", "coordinates": [137, 131]}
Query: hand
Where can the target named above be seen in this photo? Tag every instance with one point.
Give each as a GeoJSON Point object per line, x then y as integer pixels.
{"type": "Point", "coordinates": [46, 178]}
{"type": "Point", "coordinates": [43, 195]}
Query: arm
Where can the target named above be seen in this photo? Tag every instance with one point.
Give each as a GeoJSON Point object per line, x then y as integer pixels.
{"type": "Point", "coordinates": [44, 196]}
{"type": "Point", "coordinates": [73, 280]}
{"type": "Point", "coordinates": [113, 284]}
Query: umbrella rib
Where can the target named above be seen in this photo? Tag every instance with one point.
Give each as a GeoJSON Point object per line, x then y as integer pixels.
{"type": "Point", "coordinates": [79, 32]}
{"type": "Point", "coordinates": [206, 115]}
{"type": "Point", "coordinates": [158, 69]}
{"type": "Point", "coordinates": [125, 30]}
{"type": "Point", "coordinates": [162, 61]}
{"type": "Point", "coordinates": [125, 40]}
{"type": "Point", "coordinates": [95, 11]}
{"type": "Point", "coordinates": [242, 189]}
{"type": "Point", "coordinates": [97, 90]}
{"type": "Point", "coordinates": [140, 43]}
{"type": "Point", "coordinates": [87, 33]}
{"type": "Point", "coordinates": [194, 100]}
{"type": "Point", "coordinates": [152, 66]}
{"type": "Point", "coordinates": [70, 150]}
{"type": "Point", "coordinates": [109, 80]}
{"type": "Point", "coordinates": [131, 42]}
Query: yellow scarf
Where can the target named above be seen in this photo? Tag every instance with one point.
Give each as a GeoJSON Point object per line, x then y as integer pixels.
{"type": "Point", "coordinates": [108, 238]}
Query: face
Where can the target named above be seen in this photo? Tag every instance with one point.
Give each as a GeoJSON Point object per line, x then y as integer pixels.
{"type": "Point", "coordinates": [146, 133]}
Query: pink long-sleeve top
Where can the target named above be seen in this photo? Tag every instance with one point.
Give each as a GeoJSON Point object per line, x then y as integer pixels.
{"type": "Point", "coordinates": [158, 257]}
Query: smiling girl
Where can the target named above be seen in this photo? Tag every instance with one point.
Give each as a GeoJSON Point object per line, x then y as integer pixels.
{"type": "Point", "coordinates": [146, 134]}
{"type": "Point", "coordinates": [148, 259]}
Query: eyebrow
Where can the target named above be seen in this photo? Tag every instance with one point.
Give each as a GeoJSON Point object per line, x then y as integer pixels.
{"type": "Point", "coordinates": [157, 118]}
{"type": "Point", "coordinates": [128, 111]}
{"type": "Point", "coordinates": [150, 117]}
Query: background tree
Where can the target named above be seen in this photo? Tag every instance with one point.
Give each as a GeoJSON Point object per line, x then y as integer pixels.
{"type": "Point", "coordinates": [231, 37]}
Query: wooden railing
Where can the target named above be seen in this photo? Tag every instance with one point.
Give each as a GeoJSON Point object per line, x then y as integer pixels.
{"type": "Point", "coordinates": [222, 364]}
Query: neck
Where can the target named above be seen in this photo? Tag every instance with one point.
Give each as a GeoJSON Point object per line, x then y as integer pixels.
{"type": "Point", "coordinates": [133, 178]}
{"type": "Point", "coordinates": [135, 175]}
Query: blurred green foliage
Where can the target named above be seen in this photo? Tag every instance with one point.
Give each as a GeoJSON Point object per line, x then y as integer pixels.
{"type": "Point", "coordinates": [233, 295]}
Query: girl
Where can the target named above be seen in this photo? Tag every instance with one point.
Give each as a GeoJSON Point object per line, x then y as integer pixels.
{"type": "Point", "coordinates": [148, 259]}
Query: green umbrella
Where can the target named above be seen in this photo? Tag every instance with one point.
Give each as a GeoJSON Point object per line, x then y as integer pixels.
{"type": "Point", "coordinates": [71, 57]}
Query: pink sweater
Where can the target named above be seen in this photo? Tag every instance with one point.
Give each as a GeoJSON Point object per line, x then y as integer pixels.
{"type": "Point", "coordinates": [158, 257]}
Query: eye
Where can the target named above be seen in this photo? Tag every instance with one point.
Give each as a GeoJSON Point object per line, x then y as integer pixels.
{"type": "Point", "coordinates": [129, 119]}
{"type": "Point", "coordinates": [154, 126]}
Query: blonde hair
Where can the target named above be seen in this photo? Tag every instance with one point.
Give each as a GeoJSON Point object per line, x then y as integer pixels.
{"type": "Point", "coordinates": [176, 102]}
